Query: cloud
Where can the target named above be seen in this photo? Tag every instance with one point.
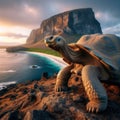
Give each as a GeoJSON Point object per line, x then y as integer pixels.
{"type": "Point", "coordinates": [19, 13]}
{"type": "Point", "coordinates": [113, 30]}
{"type": "Point", "coordinates": [13, 35]}
{"type": "Point", "coordinates": [30, 13]}
{"type": "Point", "coordinates": [30, 10]}
{"type": "Point", "coordinates": [10, 43]}
{"type": "Point", "coordinates": [106, 19]}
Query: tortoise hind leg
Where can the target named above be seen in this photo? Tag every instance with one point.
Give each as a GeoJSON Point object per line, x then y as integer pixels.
{"type": "Point", "coordinates": [62, 79]}
{"type": "Point", "coordinates": [94, 89]}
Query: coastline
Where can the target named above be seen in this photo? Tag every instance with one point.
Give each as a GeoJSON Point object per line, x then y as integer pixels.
{"type": "Point", "coordinates": [55, 59]}
{"type": "Point", "coordinates": [25, 101]}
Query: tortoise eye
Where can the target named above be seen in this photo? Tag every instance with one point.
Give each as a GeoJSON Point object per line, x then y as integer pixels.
{"type": "Point", "coordinates": [58, 39]}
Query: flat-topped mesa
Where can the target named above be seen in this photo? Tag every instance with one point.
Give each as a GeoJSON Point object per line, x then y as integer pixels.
{"type": "Point", "coordinates": [71, 25]}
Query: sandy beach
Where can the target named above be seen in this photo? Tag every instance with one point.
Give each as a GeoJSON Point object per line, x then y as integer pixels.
{"type": "Point", "coordinates": [55, 59]}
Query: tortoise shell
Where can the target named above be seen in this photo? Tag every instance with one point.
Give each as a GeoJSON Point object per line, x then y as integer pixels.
{"type": "Point", "coordinates": [104, 47]}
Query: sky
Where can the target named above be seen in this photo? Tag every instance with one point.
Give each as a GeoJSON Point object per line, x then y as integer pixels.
{"type": "Point", "coordinates": [19, 17]}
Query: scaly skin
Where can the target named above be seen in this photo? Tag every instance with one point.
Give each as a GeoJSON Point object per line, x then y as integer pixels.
{"type": "Point", "coordinates": [89, 67]}
{"type": "Point", "coordinates": [94, 89]}
{"type": "Point", "coordinates": [90, 78]}
{"type": "Point", "coordinates": [62, 79]}
{"type": "Point", "coordinates": [77, 69]}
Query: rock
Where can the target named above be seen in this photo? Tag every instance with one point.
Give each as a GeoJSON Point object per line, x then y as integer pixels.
{"type": "Point", "coordinates": [40, 95]}
{"type": "Point", "coordinates": [34, 66]}
{"type": "Point", "coordinates": [25, 91]}
{"type": "Point", "coordinates": [13, 97]}
{"type": "Point", "coordinates": [32, 36]}
{"type": "Point", "coordinates": [41, 88]}
{"type": "Point", "coordinates": [36, 86]}
{"type": "Point", "coordinates": [50, 105]}
{"type": "Point", "coordinates": [32, 96]}
{"type": "Point", "coordinates": [14, 115]}
{"type": "Point", "coordinates": [15, 49]}
{"type": "Point", "coordinates": [38, 115]}
{"type": "Point", "coordinates": [3, 91]}
{"type": "Point", "coordinates": [71, 24]}
{"type": "Point", "coordinates": [45, 75]}
{"type": "Point", "coordinates": [78, 99]}
{"type": "Point", "coordinates": [53, 103]}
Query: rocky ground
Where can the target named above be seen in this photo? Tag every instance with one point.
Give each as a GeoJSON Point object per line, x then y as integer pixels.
{"type": "Point", "coordinates": [37, 100]}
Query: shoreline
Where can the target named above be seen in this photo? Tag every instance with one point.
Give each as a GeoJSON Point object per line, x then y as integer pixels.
{"type": "Point", "coordinates": [53, 58]}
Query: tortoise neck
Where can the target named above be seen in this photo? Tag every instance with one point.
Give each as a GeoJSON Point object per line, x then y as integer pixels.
{"type": "Point", "coordinates": [69, 54]}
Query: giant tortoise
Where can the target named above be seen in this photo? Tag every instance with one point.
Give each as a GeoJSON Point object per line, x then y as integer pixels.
{"type": "Point", "coordinates": [96, 58]}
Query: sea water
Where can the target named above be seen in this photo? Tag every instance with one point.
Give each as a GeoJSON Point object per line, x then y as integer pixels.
{"type": "Point", "coordinates": [24, 66]}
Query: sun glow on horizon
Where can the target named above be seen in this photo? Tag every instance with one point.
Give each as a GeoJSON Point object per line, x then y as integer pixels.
{"type": "Point", "coordinates": [17, 34]}
{"type": "Point", "coordinates": [14, 29]}
{"type": "Point", "coordinates": [8, 40]}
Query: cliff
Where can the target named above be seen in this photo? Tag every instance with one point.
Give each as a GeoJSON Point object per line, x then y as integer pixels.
{"type": "Point", "coordinates": [71, 25]}
{"type": "Point", "coordinates": [37, 100]}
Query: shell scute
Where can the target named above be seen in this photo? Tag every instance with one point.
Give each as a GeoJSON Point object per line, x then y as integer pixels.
{"type": "Point", "coordinates": [105, 47]}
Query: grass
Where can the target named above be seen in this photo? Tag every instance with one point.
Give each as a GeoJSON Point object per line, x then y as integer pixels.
{"type": "Point", "coordinates": [46, 51]}
{"type": "Point", "coordinates": [70, 39]}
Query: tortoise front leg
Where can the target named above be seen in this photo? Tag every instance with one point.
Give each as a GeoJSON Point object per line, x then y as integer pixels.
{"type": "Point", "coordinates": [62, 79]}
{"type": "Point", "coordinates": [94, 89]}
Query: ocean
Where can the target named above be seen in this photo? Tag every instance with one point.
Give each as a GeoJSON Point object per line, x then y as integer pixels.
{"type": "Point", "coordinates": [21, 67]}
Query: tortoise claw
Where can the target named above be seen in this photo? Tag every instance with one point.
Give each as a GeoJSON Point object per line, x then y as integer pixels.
{"type": "Point", "coordinates": [93, 107]}
{"type": "Point", "coordinates": [61, 88]}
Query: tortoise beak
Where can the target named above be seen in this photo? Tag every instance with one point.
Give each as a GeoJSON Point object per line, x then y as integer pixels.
{"type": "Point", "coordinates": [50, 41]}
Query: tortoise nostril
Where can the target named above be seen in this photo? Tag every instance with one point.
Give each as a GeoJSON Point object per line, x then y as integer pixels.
{"type": "Point", "coordinates": [51, 37]}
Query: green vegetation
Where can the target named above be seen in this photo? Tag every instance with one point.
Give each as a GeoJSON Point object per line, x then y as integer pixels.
{"type": "Point", "coordinates": [46, 51]}
{"type": "Point", "coordinates": [69, 39]}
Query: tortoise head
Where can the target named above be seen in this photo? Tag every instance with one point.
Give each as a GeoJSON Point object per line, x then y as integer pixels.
{"type": "Point", "coordinates": [55, 42]}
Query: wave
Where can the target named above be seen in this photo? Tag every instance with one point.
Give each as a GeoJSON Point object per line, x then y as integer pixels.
{"type": "Point", "coordinates": [53, 59]}
{"type": "Point", "coordinates": [5, 84]}
{"type": "Point", "coordinates": [9, 56]}
{"type": "Point", "coordinates": [8, 71]}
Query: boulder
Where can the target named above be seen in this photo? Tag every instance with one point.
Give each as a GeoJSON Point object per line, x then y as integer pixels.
{"type": "Point", "coordinates": [38, 115]}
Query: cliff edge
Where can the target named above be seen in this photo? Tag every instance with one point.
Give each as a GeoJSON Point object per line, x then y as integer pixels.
{"type": "Point", "coordinates": [71, 25]}
{"type": "Point", "coordinates": [37, 100]}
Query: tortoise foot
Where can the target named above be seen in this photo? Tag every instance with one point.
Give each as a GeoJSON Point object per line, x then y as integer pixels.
{"type": "Point", "coordinates": [61, 88]}
{"type": "Point", "coordinates": [93, 106]}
